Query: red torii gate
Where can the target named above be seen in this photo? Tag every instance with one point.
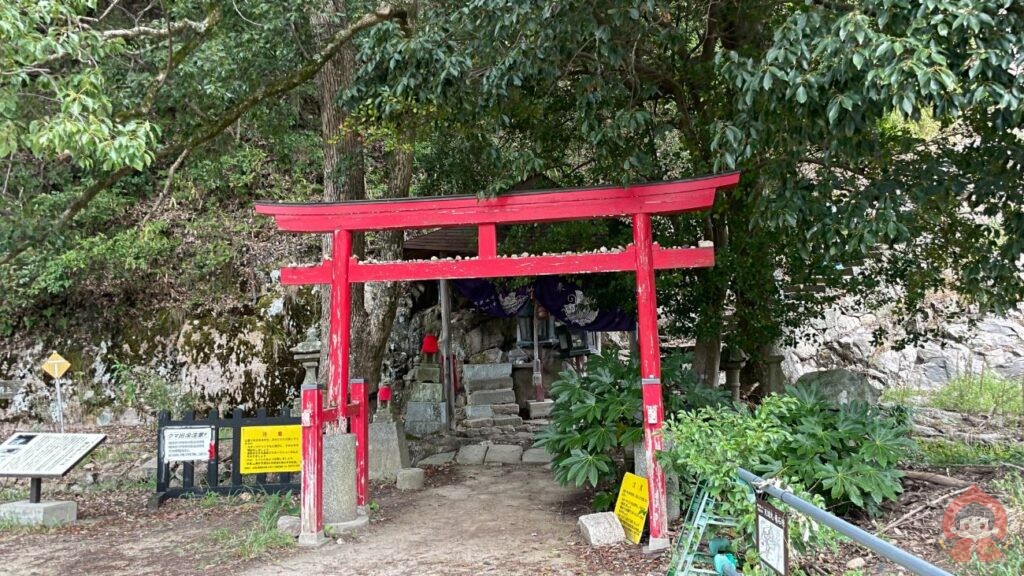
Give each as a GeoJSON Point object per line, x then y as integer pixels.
{"type": "Point", "coordinates": [340, 271]}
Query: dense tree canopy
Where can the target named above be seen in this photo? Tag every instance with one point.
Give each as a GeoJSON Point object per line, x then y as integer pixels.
{"type": "Point", "coordinates": [880, 134]}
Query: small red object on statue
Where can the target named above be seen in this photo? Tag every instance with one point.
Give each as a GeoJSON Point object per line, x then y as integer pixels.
{"type": "Point", "coordinates": [384, 394]}
{"type": "Point", "coordinates": [429, 344]}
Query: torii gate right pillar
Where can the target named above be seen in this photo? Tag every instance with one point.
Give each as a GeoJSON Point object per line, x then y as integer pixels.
{"type": "Point", "coordinates": [650, 378]}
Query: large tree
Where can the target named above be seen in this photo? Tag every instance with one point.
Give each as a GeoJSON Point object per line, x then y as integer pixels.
{"type": "Point", "coordinates": [882, 134]}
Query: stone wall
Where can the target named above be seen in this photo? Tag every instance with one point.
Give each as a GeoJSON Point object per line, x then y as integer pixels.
{"type": "Point", "coordinates": [165, 359]}
{"type": "Point", "coordinates": [843, 339]}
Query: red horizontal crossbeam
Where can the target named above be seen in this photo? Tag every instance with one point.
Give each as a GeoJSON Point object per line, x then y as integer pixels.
{"type": "Point", "coordinates": [617, 261]}
{"type": "Point", "coordinates": [542, 206]}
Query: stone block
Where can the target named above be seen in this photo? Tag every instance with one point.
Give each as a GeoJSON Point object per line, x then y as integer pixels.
{"type": "Point", "coordinates": [601, 529]}
{"type": "Point", "coordinates": [504, 453]}
{"type": "Point", "coordinates": [411, 479]}
{"type": "Point", "coordinates": [492, 397]}
{"type": "Point", "coordinates": [437, 459]}
{"type": "Point", "coordinates": [425, 412]}
{"type": "Point", "coordinates": [505, 409]}
{"type": "Point", "coordinates": [537, 456]}
{"type": "Point", "coordinates": [290, 525]}
{"type": "Point", "coordinates": [339, 477]}
{"type": "Point", "coordinates": [484, 411]}
{"type": "Point", "coordinates": [489, 384]}
{"type": "Point", "coordinates": [489, 356]}
{"type": "Point", "coordinates": [313, 540]}
{"type": "Point", "coordinates": [471, 372]}
{"type": "Point", "coordinates": [149, 469]}
{"type": "Point", "coordinates": [478, 422]}
{"type": "Point", "coordinates": [471, 455]}
{"type": "Point", "coordinates": [51, 513]}
{"type": "Point", "coordinates": [423, 428]}
{"type": "Point", "coordinates": [488, 335]}
{"type": "Point", "coordinates": [540, 409]}
{"type": "Point", "coordinates": [507, 421]}
{"type": "Point", "coordinates": [427, 373]}
{"type": "Point", "coordinates": [389, 452]}
{"type": "Point", "coordinates": [361, 521]}
{"type": "Point", "coordinates": [427, 392]}
{"type": "Point", "coordinates": [840, 386]}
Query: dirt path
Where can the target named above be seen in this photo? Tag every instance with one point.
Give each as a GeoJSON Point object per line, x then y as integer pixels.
{"type": "Point", "coordinates": [491, 520]}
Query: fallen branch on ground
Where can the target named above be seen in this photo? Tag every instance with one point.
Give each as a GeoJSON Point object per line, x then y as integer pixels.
{"type": "Point", "coordinates": [918, 509]}
{"type": "Point", "coordinates": [934, 478]}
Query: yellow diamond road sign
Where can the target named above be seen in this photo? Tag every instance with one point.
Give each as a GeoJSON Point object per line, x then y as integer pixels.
{"type": "Point", "coordinates": [56, 365]}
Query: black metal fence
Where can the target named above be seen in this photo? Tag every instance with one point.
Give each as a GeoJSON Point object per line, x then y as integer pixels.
{"type": "Point", "coordinates": [273, 482]}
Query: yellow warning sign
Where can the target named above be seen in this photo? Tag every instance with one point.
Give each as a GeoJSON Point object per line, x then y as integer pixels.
{"type": "Point", "coordinates": [631, 506]}
{"type": "Point", "coordinates": [271, 449]}
{"type": "Point", "coordinates": [56, 365]}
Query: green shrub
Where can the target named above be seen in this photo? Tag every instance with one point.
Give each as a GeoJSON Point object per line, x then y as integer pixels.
{"type": "Point", "coordinates": [596, 417]}
{"type": "Point", "coordinates": [838, 458]}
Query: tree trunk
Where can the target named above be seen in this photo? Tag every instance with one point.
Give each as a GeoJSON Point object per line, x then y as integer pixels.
{"type": "Point", "coordinates": [344, 165]}
{"type": "Point", "coordinates": [380, 301]}
{"type": "Point", "coordinates": [708, 349]}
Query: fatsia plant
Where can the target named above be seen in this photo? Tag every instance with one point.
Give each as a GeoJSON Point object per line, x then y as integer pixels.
{"type": "Point", "coordinates": [596, 417]}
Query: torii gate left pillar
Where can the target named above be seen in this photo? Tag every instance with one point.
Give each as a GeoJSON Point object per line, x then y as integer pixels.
{"type": "Point", "coordinates": [643, 257]}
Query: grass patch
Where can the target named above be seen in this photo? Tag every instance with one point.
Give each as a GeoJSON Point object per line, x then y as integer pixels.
{"type": "Point", "coordinates": [13, 526]}
{"type": "Point", "coordinates": [946, 453]}
{"type": "Point", "coordinates": [985, 393]}
{"type": "Point", "coordinates": [902, 395]}
{"type": "Point", "coordinates": [13, 494]}
{"type": "Point", "coordinates": [264, 535]}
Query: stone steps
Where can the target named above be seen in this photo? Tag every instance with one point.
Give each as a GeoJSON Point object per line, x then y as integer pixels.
{"type": "Point", "coordinates": [503, 383]}
{"type": "Point", "coordinates": [473, 372]}
{"type": "Point", "coordinates": [490, 399]}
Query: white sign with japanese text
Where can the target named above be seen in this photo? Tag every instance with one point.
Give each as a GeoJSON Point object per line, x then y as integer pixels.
{"type": "Point", "coordinates": [187, 443]}
{"type": "Point", "coordinates": [44, 454]}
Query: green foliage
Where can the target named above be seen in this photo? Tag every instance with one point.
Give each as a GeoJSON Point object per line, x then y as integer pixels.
{"type": "Point", "coordinates": [984, 393]}
{"type": "Point", "coordinates": [144, 389]}
{"type": "Point", "coordinates": [941, 453]}
{"type": "Point", "coordinates": [596, 417]}
{"type": "Point", "coordinates": [264, 535]}
{"type": "Point", "coordinates": [838, 458]}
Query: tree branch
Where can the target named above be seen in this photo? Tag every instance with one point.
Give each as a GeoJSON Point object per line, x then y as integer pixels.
{"type": "Point", "coordinates": [177, 57]}
{"type": "Point", "coordinates": [172, 29]}
{"type": "Point", "coordinates": [269, 90]}
{"type": "Point", "coordinates": [167, 185]}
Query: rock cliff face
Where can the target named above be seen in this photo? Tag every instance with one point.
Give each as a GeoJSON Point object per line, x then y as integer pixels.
{"type": "Point", "coordinates": [843, 339]}
{"type": "Point", "coordinates": [165, 359]}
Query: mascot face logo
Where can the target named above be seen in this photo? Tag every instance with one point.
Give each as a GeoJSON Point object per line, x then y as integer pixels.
{"type": "Point", "coordinates": [973, 526]}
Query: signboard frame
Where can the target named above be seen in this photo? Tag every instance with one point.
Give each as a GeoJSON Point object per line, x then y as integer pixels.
{"type": "Point", "coordinates": [170, 486]}
{"type": "Point", "coordinates": [776, 520]}
{"type": "Point", "coordinates": [69, 465]}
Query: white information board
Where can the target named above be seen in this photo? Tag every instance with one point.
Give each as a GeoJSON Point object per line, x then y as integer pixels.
{"type": "Point", "coordinates": [187, 443]}
{"type": "Point", "coordinates": [772, 532]}
{"type": "Point", "coordinates": [44, 454]}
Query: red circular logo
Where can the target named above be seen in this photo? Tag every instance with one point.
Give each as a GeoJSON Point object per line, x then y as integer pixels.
{"type": "Point", "coordinates": [973, 526]}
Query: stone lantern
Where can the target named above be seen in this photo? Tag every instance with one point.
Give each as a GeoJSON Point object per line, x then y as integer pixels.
{"type": "Point", "coordinates": [307, 353]}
